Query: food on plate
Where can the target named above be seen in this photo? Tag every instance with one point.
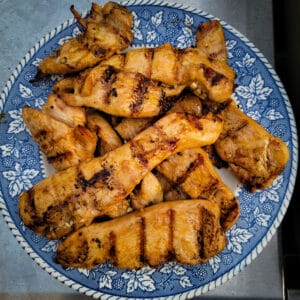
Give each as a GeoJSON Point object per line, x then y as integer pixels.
{"type": "Point", "coordinates": [255, 156]}
{"type": "Point", "coordinates": [64, 146]}
{"type": "Point", "coordinates": [106, 30]}
{"type": "Point", "coordinates": [173, 68]}
{"type": "Point", "coordinates": [118, 93]}
{"type": "Point", "coordinates": [148, 192]}
{"type": "Point", "coordinates": [127, 132]}
{"type": "Point", "coordinates": [194, 173]}
{"type": "Point", "coordinates": [210, 40]}
{"type": "Point", "coordinates": [74, 197]}
{"type": "Point", "coordinates": [187, 231]}
{"type": "Point", "coordinates": [108, 139]}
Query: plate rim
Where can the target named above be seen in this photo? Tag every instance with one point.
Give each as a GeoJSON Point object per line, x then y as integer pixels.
{"type": "Point", "coordinates": [258, 247]}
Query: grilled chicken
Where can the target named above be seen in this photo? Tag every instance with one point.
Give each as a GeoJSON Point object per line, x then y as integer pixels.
{"type": "Point", "coordinates": [188, 67]}
{"type": "Point", "coordinates": [128, 128]}
{"type": "Point", "coordinates": [63, 145]}
{"type": "Point", "coordinates": [118, 93]}
{"type": "Point", "coordinates": [148, 192]}
{"type": "Point", "coordinates": [70, 115]}
{"type": "Point", "coordinates": [253, 155]}
{"type": "Point", "coordinates": [72, 198]}
{"type": "Point", "coordinates": [106, 30]}
{"type": "Point", "coordinates": [187, 231]}
{"type": "Point", "coordinates": [194, 173]}
{"type": "Point", "coordinates": [108, 138]}
{"type": "Point", "coordinates": [210, 40]}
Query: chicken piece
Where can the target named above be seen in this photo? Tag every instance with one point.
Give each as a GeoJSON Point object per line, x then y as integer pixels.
{"type": "Point", "coordinates": [106, 30]}
{"type": "Point", "coordinates": [72, 198]}
{"type": "Point", "coordinates": [187, 231]}
{"type": "Point", "coordinates": [59, 110]}
{"type": "Point", "coordinates": [108, 138]}
{"type": "Point", "coordinates": [179, 68]}
{"type": "Point", "coordinates": [210, 40]}
{"type": "Point", "coordinates": [148, 192]}
{"type": "Point", "coordinates": [193, 171]}
{"type": "Point", "coordinates": [253, 155]}
{"type": "Point", "coordinates": [63, 146]}
{"type": "Point", "coordinates": [116, 93]}
{"type": "Point", "coordinates": [128, 128]}
{"type": "Point", "coordinates": [171, 191]}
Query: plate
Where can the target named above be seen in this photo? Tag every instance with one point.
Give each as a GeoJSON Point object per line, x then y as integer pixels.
{"type": "Point", "coordinates": [260, 94]}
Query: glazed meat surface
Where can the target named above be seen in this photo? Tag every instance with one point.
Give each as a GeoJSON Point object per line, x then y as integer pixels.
{"type": "Point", "coordinates": [106, 30]}
{"type": "Point", "coordinates": [253, 155]}
{"type": "Point", "coordinates": [72, 198]}
{"type": "Point", "coordinates": [194, 173]}
{"type": "Point", "coordinates": [187, 231]}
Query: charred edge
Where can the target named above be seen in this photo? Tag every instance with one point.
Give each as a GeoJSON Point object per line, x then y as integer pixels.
{"type": "Point", "coordinates": [194, 120]}
{"type": "Point", "coordinates": [200, 234]}
{"type": "Point", "coordinates": [143, 241]}
{"type": "Point", "coordinates": [217, 161]}
{"type": "Point", "coordinates": [211, 75]}
{"type": "Point", "coordinates": [193, 165]}
{"type": "Point", "coordinates": [171, 253]}
{"type": "Point", "coordinates": [57, 158]}
{"type": "Point", "coordinates": [207, 233]}
{"type": "Point", "coordinates": [102, 176]}
{"type": "Point", "coordinates": [139, 93]}
{"type": "Point", "coordinates": [230, 213]}
{"type": "Point", "coordinates": [112, 247]}
{"type": "Point", "coordinates": [164, 103]}
{"type": "Point", "coordinates": [30, 210]}
{"type": "Point", "coordinates": [207, 26]}
{"type": "Point", "coordinates": [214, 107]}
{"type": "Point", "coordinates": [138, 152]}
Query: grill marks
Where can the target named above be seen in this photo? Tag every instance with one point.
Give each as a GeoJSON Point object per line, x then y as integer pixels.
{"type": "Point", "coordinates": [149, 237]}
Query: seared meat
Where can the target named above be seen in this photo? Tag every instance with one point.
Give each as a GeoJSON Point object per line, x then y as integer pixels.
{"type": "Point", "coordinates": [187, 231]}
{"type": "Point", "coordinates": [188, 67]}
{"type": "Point", "coordinates": [108, 138]}
{"type": "Point", "coordinates": [107, 30]}
{"type": "Point", "coordinates": [72, 198]}
{"type": "Point", "coordinates": [210, 40]}
{"type": "Point", "coordinates": [117, 93]}
{"type": "Point", "coordinates": [253, 155]}
{"type": "Point", "coordinates": [63, 145]}
{"type": "Point", "coordinates": [194, 173]}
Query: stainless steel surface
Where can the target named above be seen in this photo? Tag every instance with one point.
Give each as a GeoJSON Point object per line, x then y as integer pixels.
{"type": "Point", "coordinates": [24, 23]}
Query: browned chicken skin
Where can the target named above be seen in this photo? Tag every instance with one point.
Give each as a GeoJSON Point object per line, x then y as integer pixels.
{"type": "Point", "coordinates": [187, 231]}
{"type": "Point", "coordinates": [72, 198]}
{"type": "Point", "coordinates": [107, 30]}
{"type": "Point", "coordinates": [253, 155]}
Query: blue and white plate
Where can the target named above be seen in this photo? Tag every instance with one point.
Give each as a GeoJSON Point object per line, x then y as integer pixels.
{"type": "Point", "coordinates": [259, 93]}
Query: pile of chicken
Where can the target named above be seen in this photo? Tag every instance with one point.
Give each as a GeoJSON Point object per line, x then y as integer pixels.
{"type": "Point", "coordinates": [133, 137]}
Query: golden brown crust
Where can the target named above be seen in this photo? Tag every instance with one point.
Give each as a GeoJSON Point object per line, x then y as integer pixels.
{"type": "Point", "coordinates": [187, 231]}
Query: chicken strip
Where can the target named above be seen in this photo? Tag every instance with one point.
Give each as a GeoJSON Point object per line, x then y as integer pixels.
{"type": "Point", "coordinates": [253, 155]}
{"type": "Point", "coordinates": [118, 93]}
{"type": "Point", "coordinates": [107, 30]}
{"type": "Point", "coordinates": [210, 40]}
{"type": "Point", "coordinates": [63, 146]}
{"type": "Point", "coordinates": [190, 67]}
{"type": "Point", "coordinates": [194, 173]}
{"type": "Point", "coordinates": [187, 231]}
{"type": "Point", "coordinates": [72, 198]}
